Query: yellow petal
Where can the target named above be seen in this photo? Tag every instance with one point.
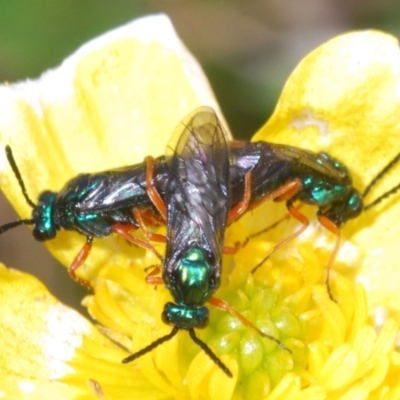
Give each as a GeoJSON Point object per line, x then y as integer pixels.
{"type": "Point", "coordinates": [288, 300]}
{"type": "Point", "coordinates": [115, 100]}
{"type": "Point", "coordinates": [49, 348]}
{"type": "Point", "coordinates": [344, 98]}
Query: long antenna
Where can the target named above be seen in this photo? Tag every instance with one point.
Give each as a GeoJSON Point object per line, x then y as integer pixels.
{"type": "Point", "coordinates": [10, 225]}
{"type": "Point", "coordinates": [379, 176]}
{"type": "Point", "coordinates": [17, 174]}
{"type": "Point", "coordinates": [151, 346]}
{"type": "Point", "coordinates": [169, 336]}
{"type": "Point", "coordinates": [382, 197]}
{"type": "Point", "coordinates": [209, 352]}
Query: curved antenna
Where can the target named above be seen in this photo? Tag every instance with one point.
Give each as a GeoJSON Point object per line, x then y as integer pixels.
{"type": "Point", "coordinates": [151, 346]}
{"type": "Point", "coordinates": [17, 174]}
{"type": "Point", "coordinates": [378, 177]}
{"type": "Point", "coordinates": [210, 354]}
{"type": "Point", "coordinates": [10, 225]}
{"type": "Point", "coordinates": [382, 197]}
{"type": "Point", "coordinates": [169, 336]}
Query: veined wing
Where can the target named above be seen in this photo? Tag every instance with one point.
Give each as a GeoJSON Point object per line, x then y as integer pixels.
{"type": "Point", "coordinates": [114, 189]}
{"type": "Point", "coordinates": [198, 191]}
{"type": "Point", "coordinates": [320, 162]}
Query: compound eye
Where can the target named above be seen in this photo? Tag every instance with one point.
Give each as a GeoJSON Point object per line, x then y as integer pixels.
{"type": "Point", "coordinates": [42, 235]}
{"type": "Point", "coordinates": [44, 227]}
{"type": "Point", "coordinates": [164, 317]}
{"type": "Point", "coordinates": [204, 324]}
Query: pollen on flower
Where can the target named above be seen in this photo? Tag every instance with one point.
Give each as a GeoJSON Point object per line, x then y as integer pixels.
{"type": "Point", "coordinates": [297, 341]}
{"type": "Point", "coordinates": [329, 346]}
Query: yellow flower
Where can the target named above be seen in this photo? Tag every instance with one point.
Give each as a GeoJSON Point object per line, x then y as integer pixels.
{"type": "Point", "coordinates": [118, 99]}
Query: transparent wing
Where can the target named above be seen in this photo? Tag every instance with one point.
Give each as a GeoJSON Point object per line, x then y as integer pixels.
{"type": "Point", "coordinates": [115, 189]}
{"type": "Point", "coordinates": [319, 162]}
{"type": "Point", "coordinates": [198, 192]}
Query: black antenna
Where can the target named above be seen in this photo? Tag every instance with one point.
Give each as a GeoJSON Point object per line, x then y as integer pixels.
{"type": "Point", "coordinates": [11, 225]}
{"type": "Point", "coordinates": [17, 174]}
{"type": "Point", "coordinates": [151, 346]}
{"type": "Point", "coordinates": [382, 197]}
{"type": "Point", "coordinates": [379, 176]}
{"type": "Point", "coordinates": [13, 164]}
{"type": "Point", "coordinates": [209, 352]}
{"type": "Point", "coordinates": [169, 336]}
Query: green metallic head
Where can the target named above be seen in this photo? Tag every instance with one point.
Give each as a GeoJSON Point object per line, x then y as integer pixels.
{"type": "Point", "coordinates": [347, 206]}
{"type": "Point", "coordinates": [44, 228]}
{"type": "Point", "coordinates": [185, 317]}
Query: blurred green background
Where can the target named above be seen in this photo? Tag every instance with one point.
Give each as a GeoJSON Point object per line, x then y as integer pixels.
{"type": "Point", "coordinates": [247, 49]}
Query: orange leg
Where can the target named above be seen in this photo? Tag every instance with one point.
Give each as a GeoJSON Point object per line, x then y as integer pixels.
{"type": "Point", "coordinates": [294, 212]}
{"type": "Point", "coordinates": [151, 218]}
{"type": "Point", "coordinates": [154, 280]}
{"type": "Point", "coordinates": [232, 250]}
{"type": "Point", "coordinates": [284, 192]}
{"type": "Point", "coordinates": [243, 205]}
{"type": "Point", "coordinates": [328, 224]}
{"type": "Point", "coordinates": [123, 230]}
{"type": "Point", "coordinates": [156, 270]}
{"type": "Point", "coordinates": [152, 191]}
{"type": "Point", "coordinates": [223, 305]}
{"type": "Point", "coordinates": [272, 226]}
{"type": "Point", "coordinates": [153, 277]}
{"type": "Point", "coordinates": [79, 260]}
{"type": "Point", "coordinates": [155, 197]}
{"type": "Point", "coordinates": [151, 236]}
